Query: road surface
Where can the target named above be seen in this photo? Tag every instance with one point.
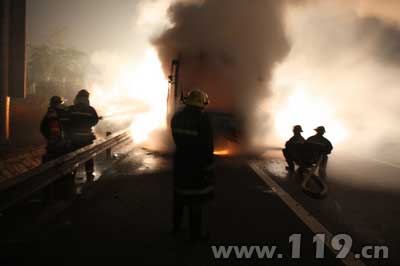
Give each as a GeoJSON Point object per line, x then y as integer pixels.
{"type": "Point", "coordinates": [124, 218]}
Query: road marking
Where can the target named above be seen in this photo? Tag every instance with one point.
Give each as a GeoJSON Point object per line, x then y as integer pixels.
{"type": "Point", "coordinates": [312, 223]}
{"type": "Point", "coordinates": [397, 166]}
{"type": "Point", "coordinates": [385, 163]}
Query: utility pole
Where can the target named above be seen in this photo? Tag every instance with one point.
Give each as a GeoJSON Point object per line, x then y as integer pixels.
{"type": "Point", "coordinates": [4, 53]}
{"type": "Point", "coordinates": [12, 59]}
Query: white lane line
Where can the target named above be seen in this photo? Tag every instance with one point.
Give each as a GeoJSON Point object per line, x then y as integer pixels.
{"type": "Point", "coordinates": [394, 165]}
{"type": "Point", "coordinates": [385, 163]}
{"type": "Point", "coordinates": [304, 215]}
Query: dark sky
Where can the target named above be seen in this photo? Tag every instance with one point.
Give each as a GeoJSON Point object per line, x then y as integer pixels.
{"type": "Point", "coordinates": [88, 25]}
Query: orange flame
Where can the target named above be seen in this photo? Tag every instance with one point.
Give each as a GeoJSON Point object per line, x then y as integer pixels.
{"type": "Point", "coordinates": [142, 85]}
{"type": "Point", "coordinates": [225, 148]}
{"type": "Point", "coordinates": [224, 152]}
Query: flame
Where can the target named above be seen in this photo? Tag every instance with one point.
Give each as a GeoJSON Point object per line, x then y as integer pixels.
{"type": "Point", "coordinates": [309, 111]}
{"type": "Point", "coordinates": [223, 152]}
{"type": "Point", "coordinates": [225, 147]}
{"type": "Point", "coordinates": [139, 91]}
{"type": "Point", "coordinates": [154, 92]}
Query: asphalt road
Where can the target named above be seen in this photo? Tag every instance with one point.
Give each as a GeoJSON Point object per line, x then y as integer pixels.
{"type": "Point", "coordinates": [362, 200]}
{"type": "Point", "coordinates": [125, 219]}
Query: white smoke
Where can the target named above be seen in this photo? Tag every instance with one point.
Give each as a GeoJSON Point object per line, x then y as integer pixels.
{"type": "Point", "coordinates": [130, 89]}
{"type": "Point", "coordinates": [345, 67]}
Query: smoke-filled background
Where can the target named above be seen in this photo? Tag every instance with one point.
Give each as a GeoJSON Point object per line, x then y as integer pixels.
{"type": "Point", "coordinates": [227, 48]}
{"type": "Point", "coordinates": [272, 63]}
{"type": "Point", "coordinates": [342, 72]}
{"type": "Point", "coordinates": [121, 70]}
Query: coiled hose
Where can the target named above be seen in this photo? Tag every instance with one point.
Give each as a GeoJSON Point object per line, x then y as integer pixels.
{"type": "Point", "coordinates": [308, 174]}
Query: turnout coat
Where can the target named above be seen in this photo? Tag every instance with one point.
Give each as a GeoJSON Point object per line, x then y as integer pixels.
{"type": "Point", "coordinates": [193, 158]}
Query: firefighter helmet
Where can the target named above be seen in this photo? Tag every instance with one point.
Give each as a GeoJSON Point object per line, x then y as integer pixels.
{"type": "Point", "coordinates": [320, 129]}
{"type": "Point", "coordinates": [197, 98]}
{"type": "Point", "coordinates": [55, 100]}
{"type": "Point", "coordinates": [297, 128]}
{"type": "Point", "coordinates": [83, 93]}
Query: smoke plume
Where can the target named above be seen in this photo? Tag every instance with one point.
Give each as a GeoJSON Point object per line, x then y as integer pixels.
{"type": "Point", "coordinates": [387, 10]}
{"type": "Point", "coordinates": [226, 47]}
{"type": "Point", "coordinates": [345, 61]}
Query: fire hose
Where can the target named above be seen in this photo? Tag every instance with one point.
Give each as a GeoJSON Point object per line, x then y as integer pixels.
{"type": "Point", "coordinates": [308, 175]}
{"type": "Point", "coordinates": [127, 113]}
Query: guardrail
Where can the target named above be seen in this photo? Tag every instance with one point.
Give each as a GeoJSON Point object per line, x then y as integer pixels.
{"type": "Point", "coordinates": [21, 187]}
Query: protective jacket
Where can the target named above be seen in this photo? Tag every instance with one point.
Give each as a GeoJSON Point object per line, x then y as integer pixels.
{"type": "Point", "coordinates": [320, 144]}
{"type": "Point", "coordinates": [82, 118]}
{"type": "Point", "coordinates": [53, 128]}
{"type": "Point", "coordinates": [294, 142]}
{"type": "Point", "coordinates": [192, 133]}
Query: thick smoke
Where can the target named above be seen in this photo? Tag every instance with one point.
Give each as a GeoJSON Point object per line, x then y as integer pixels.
{"type": "Point", "coordinates": [226, 47]}
{"type": "Point", "coordinates": [130, 90]}
{"type": "Point", "coordinates": [387, 10]}
{"type": "Point", "coordinates": [346, 57]}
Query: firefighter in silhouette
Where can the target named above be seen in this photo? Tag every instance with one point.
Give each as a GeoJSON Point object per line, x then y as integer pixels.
{"type": "Point", "coordinates": [321, 146]}
{"type": "Point", "coordinates": [82, 118]}
{"type": "Point", "coordinates": [53, 128]}
{"type": "Point", "coordinates": [293, 147]}
{"type": "Point", "coordinates": [193, 160]}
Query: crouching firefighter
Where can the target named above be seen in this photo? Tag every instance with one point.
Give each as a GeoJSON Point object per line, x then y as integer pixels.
{"type": "Point", "coordinates": [321, 147]}
{"type": "Point", "coordinates": [53, 128]}
{"type": "Point", "coordinates": [293, 147]}
{"type": "Point", "coordinates": [193, 160]}
{"type": "Point", "coordinates": [82, 118]}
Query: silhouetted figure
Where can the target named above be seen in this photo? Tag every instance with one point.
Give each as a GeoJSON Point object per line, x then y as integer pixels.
{"type": "Point", "coordinates": [82, 118]}
{"type": "Point", "coordinates": [53, 128]}
{"type": "Point", "coordinates": [193, 158]}
{"type": "Point", "coordinates": [293, 148]}
{"type": "Point", "coordinates": [320, 146]}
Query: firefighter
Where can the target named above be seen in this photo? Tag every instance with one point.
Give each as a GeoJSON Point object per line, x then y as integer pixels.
{"type": "Point", "coordinates": [82, 118]}
{"type": "Point", "coordinates": [193, 160]}
{"type": "Point", "coordinates": [53, 128]}
{"type": "Point", "coordinates": [293, 148]}
{"type": "Point", "coordinates": [322, 146]}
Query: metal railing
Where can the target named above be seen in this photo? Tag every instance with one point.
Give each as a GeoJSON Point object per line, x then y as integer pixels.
{"type": "Point", "coordinates": [21, 187]}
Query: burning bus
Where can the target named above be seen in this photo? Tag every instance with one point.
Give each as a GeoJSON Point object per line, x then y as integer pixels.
{"type": "Point", "coordinates": [226, 125]}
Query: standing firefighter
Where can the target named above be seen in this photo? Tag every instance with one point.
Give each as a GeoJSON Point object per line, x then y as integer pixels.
{"type": "Point", "coordinates": [193, 159]}
{"type": "Point", "coordinates": [293, 148]}
{"type": "Point", "coordinates": [321, 146]}
{"type": "Point", "coordinates": [53, 128]}
{"type": "Point", "coordinates": [82, 118]}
